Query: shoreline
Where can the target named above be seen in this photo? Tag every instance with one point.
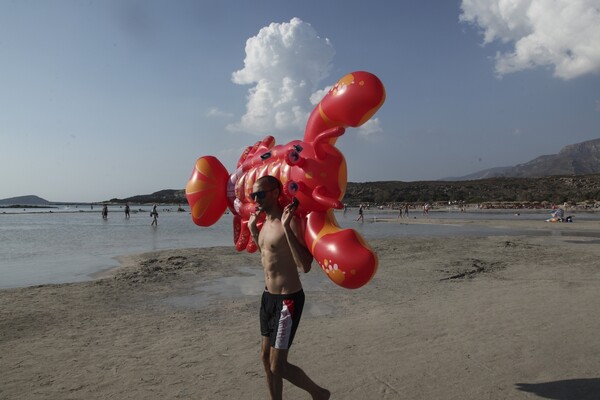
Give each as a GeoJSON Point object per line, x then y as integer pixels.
{"type": "Point", "coordinates": [490, 317]}
{"type": "Point", "coordinates": [586, 225]}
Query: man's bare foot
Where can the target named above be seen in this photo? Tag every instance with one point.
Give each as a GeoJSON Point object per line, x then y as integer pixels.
{"type": "Point", "coordinates": [323, 394]}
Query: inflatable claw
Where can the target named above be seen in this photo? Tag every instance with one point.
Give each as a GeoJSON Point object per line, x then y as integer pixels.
{"type": "Point", "coordinates": [313, 170]}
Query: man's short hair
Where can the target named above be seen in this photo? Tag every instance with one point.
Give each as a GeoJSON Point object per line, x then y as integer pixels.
{"type": "Point", "coordinates": [274, 182]}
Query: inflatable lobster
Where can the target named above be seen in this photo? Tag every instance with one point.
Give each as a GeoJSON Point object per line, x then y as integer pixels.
{"type": "Point", "coordinates": [313, 170]}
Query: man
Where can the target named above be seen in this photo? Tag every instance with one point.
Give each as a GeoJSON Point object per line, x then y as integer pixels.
{"type": "Point", "coordinates": [154, 215]}
{"type": "Point", "coordinates": [360, 214]}
{"type": "Point", "coordinates": [283, 252]}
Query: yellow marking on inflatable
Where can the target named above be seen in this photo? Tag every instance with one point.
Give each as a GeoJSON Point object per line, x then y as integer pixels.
{"type": "Point", "coordinates": [324, 117]}
{"type": "Point", "coordinates": [328, 227]}
{"type": "Point", "coordinates": [337, 276]}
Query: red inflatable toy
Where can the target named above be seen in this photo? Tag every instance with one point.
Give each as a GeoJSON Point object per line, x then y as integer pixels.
{"type": "Point", "coordinates": [312, 169]}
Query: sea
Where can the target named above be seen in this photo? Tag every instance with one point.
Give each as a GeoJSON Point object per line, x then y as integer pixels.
{"type": "Point", "coordinates": [73, 243]}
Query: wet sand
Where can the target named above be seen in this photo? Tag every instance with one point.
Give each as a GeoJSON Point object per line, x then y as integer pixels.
{"type": "Point", "coordinates": [499, 317]}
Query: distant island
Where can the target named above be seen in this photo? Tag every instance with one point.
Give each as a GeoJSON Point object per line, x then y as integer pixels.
{"type": "Point", "coordinates": [166, 196]}
{"type": "Point", "coordinates": [30, 201]}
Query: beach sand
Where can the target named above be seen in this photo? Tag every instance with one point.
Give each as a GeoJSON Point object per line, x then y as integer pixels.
{"type": "Point", "coordinates": [499, 317]}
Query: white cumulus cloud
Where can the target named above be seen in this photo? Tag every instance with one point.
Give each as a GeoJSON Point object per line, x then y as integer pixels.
{"type": "Point", "coordinates": [285, 62]}
{"type": "Point", "coordinates": [317, 96]}
{"type": "Point", "coordinates": [370, 127]}
{"type": "Point", "coordinates": [561, 34]}
{"type": "Point", "coordinates": [214, 112]}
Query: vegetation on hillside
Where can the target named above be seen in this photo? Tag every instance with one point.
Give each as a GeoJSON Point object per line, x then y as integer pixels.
{"type": "Point", "coordinates": [553, 189]}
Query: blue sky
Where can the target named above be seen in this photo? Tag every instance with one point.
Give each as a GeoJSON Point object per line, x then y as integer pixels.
{"type": "Point", "coordinates": [103, 99]}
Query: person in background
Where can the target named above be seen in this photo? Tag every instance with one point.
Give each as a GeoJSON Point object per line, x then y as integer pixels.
{"type": "Point", "coordinates": [360, 214]}
{"type": "Point", "coordinates": [154, 215]}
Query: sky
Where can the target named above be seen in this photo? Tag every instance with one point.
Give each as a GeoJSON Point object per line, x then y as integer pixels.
{"type": "Point", "coordinates": [115, 98]}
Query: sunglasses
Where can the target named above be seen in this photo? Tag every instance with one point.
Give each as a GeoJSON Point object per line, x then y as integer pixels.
{"type": "Point", "coordinates": [260, 195]}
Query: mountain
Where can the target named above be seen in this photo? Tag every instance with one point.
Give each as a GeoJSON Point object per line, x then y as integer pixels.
{"type": "Point", "coordinates": [166, 196]}
{"type": "Point", "coordinates": [575, 159]}
{"type": "Point", "coordinates": [553, 189]}
{"type": "Point", "coordinates": [30, 200]}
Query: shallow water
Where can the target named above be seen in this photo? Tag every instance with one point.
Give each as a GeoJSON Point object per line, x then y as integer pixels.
{"type": "Point", "coordinates": [72, 244]}
{"type": "Point", "coordinates": [40, 248]}
{"type": "Point", "coordinates": [248, 284]}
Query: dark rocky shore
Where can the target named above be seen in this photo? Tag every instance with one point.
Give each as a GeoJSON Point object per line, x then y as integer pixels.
{"type": "Point", "coordinates": [532, 191]}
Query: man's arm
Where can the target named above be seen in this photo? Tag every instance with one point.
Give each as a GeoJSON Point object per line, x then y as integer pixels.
{"type": "Point", "coordinates": [253, 228]}
{"type": "Point", "coordinates": [302, 257]}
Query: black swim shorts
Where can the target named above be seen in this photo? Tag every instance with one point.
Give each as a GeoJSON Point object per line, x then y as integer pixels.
{"type": "Point", "coordinates": [279, 317]}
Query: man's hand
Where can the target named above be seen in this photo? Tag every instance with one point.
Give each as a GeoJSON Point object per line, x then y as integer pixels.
{"type": "Point", "coordinates": [288, 215]}
{"type": "Point", "coordinates": [252, 221]}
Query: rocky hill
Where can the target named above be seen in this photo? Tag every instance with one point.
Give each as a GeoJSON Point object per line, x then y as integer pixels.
{"type": "Point", "coordinates": [553, 189]}
{"type": "Point", "coordinates": [575, 159]}
{"type": "Point", "coordinates": [167, 196]}
{"type": "Point", "coordinates": [30, 200]}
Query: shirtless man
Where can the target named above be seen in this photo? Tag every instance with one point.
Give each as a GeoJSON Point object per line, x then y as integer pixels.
{"type": "Point", "coordinates": [283, 252]}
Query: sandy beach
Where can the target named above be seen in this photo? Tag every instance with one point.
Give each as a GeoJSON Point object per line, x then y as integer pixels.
{"type": "Point", "coordinates": [498, 317]}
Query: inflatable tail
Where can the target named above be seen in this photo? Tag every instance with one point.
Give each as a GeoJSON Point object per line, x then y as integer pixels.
{"type": "Point", "coordinates": [352, 101]}
{"type": "Point", "coordinates": [206, 191]}
{"type": "Point", "coordinates": [341, 253]}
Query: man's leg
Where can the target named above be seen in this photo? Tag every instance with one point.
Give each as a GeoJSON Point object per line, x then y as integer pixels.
{"type": "Point", "coordinates": [274, 383]}
{"type": "Point", "coordinates": [280, 367]}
